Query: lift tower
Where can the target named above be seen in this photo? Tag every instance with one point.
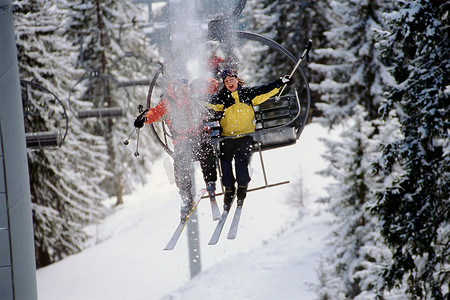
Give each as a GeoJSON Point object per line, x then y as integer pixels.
{"type": "Point", "coordinates": [17, 259]}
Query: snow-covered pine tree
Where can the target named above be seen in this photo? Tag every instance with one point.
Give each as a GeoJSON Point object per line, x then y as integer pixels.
{"type": "Point", "coordinates": [353, 263]}
{"type": "Point", "coordinates": [352, 87]}
{"type": "Point", "coordinates": [137, 61]}
{"type": "Point", "coordinates": [293, 24]}
{"type": "Point", "coordinates": [352, 71]}
{"type": "Point", "coordinates": [258, 64]}
{"type": "Point", "coordinates": [303, 23]}
{"type": "Point", "coordinates": [413, 206]}
{"type": "Point", "coordinates": [63, 181]}
{"type": "Point", "coordinates": [264, 17]}
{"type": "Point", "coordinates": [112, 45]}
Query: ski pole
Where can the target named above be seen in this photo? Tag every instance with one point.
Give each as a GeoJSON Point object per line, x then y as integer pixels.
{"type": "Point", "coordinates": [137, 144]}
{"type": "Point", "coordinates": [127, 141]}
{"type": "Point", "coordinates": [305, 53]}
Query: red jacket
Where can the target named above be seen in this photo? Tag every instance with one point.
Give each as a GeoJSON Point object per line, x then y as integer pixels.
{"type": "Point", "coordinates": [215, 61]}
{"type": "Point", "coordinates": [183, 117]}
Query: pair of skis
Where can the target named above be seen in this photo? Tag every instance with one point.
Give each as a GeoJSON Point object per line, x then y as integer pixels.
{"type": "Point", "coordinates": [215, 213]}
{"type": "Point", "coordinates": [233, 228]}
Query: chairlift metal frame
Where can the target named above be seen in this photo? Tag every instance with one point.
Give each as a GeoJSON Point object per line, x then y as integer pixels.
{"type": "Point", "coordinates": [44, 139]}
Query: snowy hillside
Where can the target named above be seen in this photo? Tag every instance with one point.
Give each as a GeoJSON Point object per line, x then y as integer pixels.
{"type": "Point", "coordinates": [284, 268]}
{"type": "Point", "coordinates": [273, 257]}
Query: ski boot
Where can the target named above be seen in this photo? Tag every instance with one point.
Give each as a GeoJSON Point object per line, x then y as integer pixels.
{"type": "Point", "coordinates": [241, 194]}
{"type": "Point", "coordinates": [211, 189]}
{"type": "Point", "coordinates": [228, 197]}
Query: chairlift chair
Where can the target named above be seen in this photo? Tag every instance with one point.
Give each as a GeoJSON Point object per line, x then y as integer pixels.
{"type": "Point", "coordinates": [42, 139]}
{"type": "Point", "coordinates": [98, 91]}
{"type": "Point", "coordinates": [108, 82]}
{"type": "Point", "coordinates": [277, 124]}
{"type": "Point", "coordinates": [100, 87]}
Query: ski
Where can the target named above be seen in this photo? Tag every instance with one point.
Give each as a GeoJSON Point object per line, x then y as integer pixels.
{"type": "Point", "coordinates": [235, 223]}
{"type": "Point", "coordinates": [215, 237]}
{"type": "Point", "coordinates": [173, 241]}
{"type": "Point", "coordinates": [176, 235]}
{"type": "Point", "coordinates": [215, 209]}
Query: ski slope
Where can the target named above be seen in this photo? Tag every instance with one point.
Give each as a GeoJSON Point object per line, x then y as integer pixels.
{"type": "Point", "coordinates": [274, 255]}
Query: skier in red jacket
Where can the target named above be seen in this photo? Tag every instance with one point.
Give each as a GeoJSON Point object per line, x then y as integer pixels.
{"type": "Point", "coordinates": [185, 119]}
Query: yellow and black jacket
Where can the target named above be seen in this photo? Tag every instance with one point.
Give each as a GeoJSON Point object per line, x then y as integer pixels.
{"type": "Point", "coordinates": [237, 107]}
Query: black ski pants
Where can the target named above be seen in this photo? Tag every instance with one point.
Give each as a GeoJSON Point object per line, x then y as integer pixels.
{"type": "Point", "coordinates": [240, 150]}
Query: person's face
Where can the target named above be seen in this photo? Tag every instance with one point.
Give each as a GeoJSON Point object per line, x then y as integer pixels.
{"type": "Point", "coordinates": [231, 83]}
{"type": "Point", "coordinates": [181, 91]}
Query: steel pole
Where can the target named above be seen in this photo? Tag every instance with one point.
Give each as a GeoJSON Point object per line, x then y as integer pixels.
{"type": "Point", "coordinates": [17, 258]}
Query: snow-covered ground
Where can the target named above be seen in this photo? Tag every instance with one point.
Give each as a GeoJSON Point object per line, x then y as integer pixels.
{"type": "Point", "coordinates": [274, 255]}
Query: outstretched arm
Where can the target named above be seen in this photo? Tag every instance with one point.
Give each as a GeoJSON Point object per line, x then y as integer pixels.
{"type": "Point", "coordinates": [262, 93]}
{"type": "Point", "coordinates": [155, 114]}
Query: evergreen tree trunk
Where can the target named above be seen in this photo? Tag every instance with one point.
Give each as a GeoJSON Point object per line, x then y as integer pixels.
{"type": "Point", "coordinates": [119, 189]}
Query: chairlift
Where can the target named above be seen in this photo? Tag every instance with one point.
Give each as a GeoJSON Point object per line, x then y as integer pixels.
{"type": "Point", "coordinates": [166, 139]}
{"type": "Point", "coordinates": [124, 59]}
{"type": "Point", "coordinates": [278, 124]}
{"type": "Point", "coordinates": [42, 139]}
{"type": "Point", "coordinates": [98, 90]}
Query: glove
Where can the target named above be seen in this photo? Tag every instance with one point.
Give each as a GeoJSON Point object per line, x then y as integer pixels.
{"type": "Point", "coordinates": [286, 80]}
{"type": "Point", "coordinates": [140, 120]}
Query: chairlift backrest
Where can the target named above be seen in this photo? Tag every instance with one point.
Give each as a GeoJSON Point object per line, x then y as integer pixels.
{"type": "Point", "coordinates": [275, 123]}
{"type": "Point", "coordinates": [270, 114]}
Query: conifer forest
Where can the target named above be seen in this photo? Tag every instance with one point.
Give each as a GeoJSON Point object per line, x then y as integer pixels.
{"type": "Point", "coordinates": [379, 70]}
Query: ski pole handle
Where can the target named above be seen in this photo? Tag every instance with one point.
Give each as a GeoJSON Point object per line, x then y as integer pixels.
{"type": "Point", "coordinates": [305, 53]}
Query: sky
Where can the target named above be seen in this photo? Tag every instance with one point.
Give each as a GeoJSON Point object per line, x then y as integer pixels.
{"type": "Point", "coordinates": [274, 255]}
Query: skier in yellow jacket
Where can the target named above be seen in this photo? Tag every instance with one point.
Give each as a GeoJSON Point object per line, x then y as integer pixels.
{"type": "Point", "coordinates": [238, 120]}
